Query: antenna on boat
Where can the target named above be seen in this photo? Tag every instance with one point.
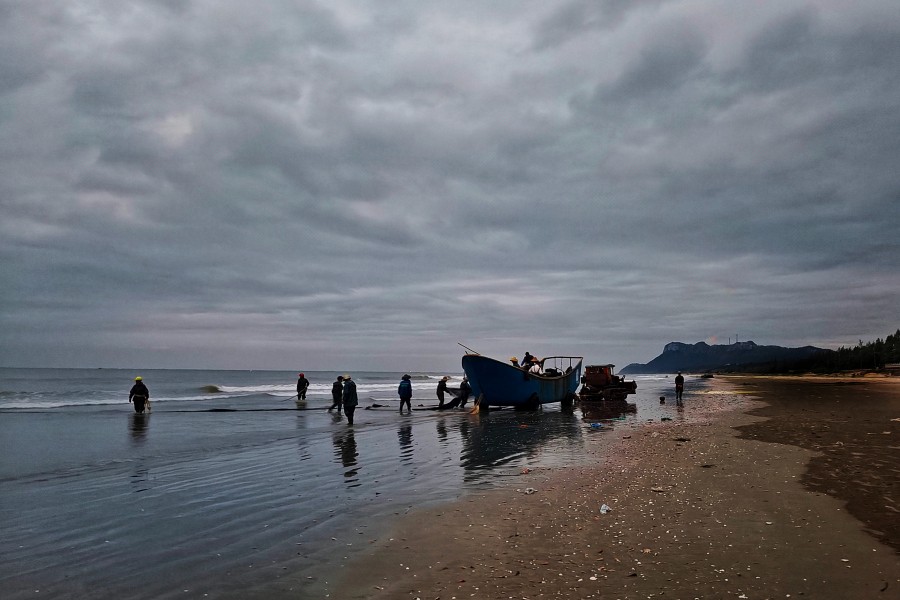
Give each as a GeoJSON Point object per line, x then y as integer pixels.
{"type": "Point", "coordinates": [469, 349]}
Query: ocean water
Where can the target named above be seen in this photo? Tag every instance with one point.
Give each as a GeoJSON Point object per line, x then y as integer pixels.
{"type": "Point", "coordinates": [230, 488]}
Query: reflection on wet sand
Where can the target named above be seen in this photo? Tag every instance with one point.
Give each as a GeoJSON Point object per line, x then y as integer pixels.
{"type": "Point", "coordinates": [405, 437]}
{"type": "Point", "coordinates": [137, 426]}
{"type": "Point", "coordinates": [441, 426]}
{"type": "Point", "coordinates": [504, 437]}
{"type": "Point", "coordinates": [599, 410]}
{"type": "Point", "coordinates": [303, 449]}
{"type": "Point", "coordinates": [346, 453]}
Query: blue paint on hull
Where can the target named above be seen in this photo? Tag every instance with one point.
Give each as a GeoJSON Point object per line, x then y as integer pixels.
{"type": "Point", "coordinates": [502, 384]}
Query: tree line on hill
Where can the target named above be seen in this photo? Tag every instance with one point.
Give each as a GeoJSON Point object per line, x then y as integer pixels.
{"type": "Point", "coordinates": [864, 356]}
{"type": "Point", "coordinates": [748, 357]}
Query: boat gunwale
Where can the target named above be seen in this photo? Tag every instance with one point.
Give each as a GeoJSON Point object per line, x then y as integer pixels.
{"type": "Point", "coordinates": [535, 375]}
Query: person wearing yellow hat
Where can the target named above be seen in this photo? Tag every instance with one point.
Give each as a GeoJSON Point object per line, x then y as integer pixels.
{"type": "Point", "coordinates": [139, 395]}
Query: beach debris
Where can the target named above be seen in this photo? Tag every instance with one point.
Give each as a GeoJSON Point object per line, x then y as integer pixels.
{"type": "Point", "coordinates": [657, 489]}
{"type": "Point", "coordinates": [530, 490]}
{"type": "Point", "coordinates": [604, 508]}
{"type": "Point", "coordinates": [707, 466]}
{"type": "Point", "coordinates": [526, 471]}
{"type": "Point", "coordinates": [626, 437]}
{"type": "Point", "coordinates": [666, 419]}
{"type": "Point", "coordinates": [681, 439]}
{"type": "Point", "coordinates": [662, 399]}
{"type": "Point", "coordinates": [596, 425]}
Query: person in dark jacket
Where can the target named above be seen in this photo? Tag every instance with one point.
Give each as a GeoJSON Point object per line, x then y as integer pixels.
{"type": "Point", "coordinates": [302, 385]}
{"type": "Point", "coordinates": [337, 391]}
{"type": "Point", "coordinates": [679, 388]}
{"type": "Point", "coordinates": [405, 391]}
{"type": "Point", "coordinates": [349, 398]}
{"type": "Point", "coordinates": [139, 395]}
{"type": "Point", "coordinates": [441, 390]}
{"type": "Point", "coordinates": [464, 391]}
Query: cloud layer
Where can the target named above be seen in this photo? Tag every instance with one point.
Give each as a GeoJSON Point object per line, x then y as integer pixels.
{"type": "Point", "coordinates": [223, 184]}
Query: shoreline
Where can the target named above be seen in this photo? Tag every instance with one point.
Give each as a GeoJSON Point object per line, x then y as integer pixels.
{"type": "Point", "coordinates": [703, 509]}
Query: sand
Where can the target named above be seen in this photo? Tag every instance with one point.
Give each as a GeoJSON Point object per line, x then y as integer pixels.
{"type": "Point", "coordinates": [790, 494]}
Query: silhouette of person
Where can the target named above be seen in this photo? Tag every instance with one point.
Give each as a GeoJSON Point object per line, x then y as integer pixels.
{"type": "Point", "coordinates": [441, 390]}
{"type": "Point", "coordinates": [405, 392]}
{"type": "Point", "coordinates": [337, 392]}
{"type": "Point", "coordinates": [139, 395]}
{"type": "Point", "coordinates": [679, 388]}
{"type": "Point", "coordinates": [302, 385]}
{"type": "Point", "coordinates": [349, 398]}
{"type": "Point", "coordinates": [464, 391]}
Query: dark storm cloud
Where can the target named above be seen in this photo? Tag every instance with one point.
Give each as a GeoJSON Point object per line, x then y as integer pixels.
{"type": "Point", "coordinates": [225, 184]}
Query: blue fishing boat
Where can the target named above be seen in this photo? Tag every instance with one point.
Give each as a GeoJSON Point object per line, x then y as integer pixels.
{"type": "Point", "coordinates": [500, 383]}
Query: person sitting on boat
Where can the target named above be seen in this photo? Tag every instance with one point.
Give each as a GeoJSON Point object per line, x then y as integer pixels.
{"type": "Point", "coordinates": [535, 368]}
{"type": "Point", "coordinates": [514, 361]}
{"type": "Point", "coordinates": [527, 359]}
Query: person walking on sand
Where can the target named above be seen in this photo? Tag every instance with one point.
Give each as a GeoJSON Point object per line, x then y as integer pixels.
{"type": "Point", "coordinates": [679, 389]}
{"type": "Point", "coordinates": [302, 385]}
{"type": "Point", "coordinates": [349, 398]}
{"type": "Point", "coordinates": [139, 395]}
{"type": "Point", "coordinates": [405, 391]}
{"type": "Point", "coordinates": [441, 390]}
{"type": "Point", "coordinates": [337, 391]}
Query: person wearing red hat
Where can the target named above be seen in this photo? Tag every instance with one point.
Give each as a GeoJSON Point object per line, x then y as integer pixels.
{"type": "Point", "coordinates": [302, 384]}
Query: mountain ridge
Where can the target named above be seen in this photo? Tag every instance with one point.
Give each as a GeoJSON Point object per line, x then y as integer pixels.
{"type": "Point", "coordinates": [679, 356]}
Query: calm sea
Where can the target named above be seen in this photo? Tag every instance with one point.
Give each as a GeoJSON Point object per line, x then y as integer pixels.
{"type": "Point", "coordinates": [229, 488]}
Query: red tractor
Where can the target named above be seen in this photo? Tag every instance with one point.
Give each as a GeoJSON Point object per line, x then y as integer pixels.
{"type": "Point", "coordinates": [600, 384]}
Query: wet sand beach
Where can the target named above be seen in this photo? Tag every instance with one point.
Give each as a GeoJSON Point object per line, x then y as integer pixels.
{"type": "Point", "coordinates": [790, 493]}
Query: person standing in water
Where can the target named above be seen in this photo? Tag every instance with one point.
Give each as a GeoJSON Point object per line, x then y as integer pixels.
{"type": "Point", "coordinates": [139, 395]}
{"type": "Point", "coordinates": [302, 385]}
{"type": "Point", "coordinates": [679, 388]}
{"type": "Point", "coordinates": [405, 391]}
{"type": "Point", "coordinates": [464, 391]}
{"type": "Point", "coordinates": [337, 392]}
{"type": "Point", "coordinates": [349, 398]}
{"type": "Point", "coordinates": [441, 390]}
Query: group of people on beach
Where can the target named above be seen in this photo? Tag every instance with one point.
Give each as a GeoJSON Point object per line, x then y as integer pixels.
{"type": "Point", "coordinates": [343, 394]}
{"type": "Point", "coordinates": [344, 397]}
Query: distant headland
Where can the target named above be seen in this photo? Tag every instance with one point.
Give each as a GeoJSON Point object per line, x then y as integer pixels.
{"type": "Point", "coordinates": [749, 357]}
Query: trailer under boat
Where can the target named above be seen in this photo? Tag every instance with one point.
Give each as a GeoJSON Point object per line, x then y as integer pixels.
{"type": "Point", "coordinates": [600, 383]}
{"type": "Point", "coordinates": [499, 383]}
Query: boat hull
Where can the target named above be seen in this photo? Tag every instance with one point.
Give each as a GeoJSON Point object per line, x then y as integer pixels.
{"type": "Point", "coordinates": [499, 383]}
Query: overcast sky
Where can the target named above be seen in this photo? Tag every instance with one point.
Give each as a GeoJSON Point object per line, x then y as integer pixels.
{"type": "Point", "coordinates": [361, 185]}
